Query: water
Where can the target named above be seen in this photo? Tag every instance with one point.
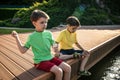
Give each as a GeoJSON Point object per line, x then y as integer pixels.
{"type": "Point", "coordinates": [107, 69]}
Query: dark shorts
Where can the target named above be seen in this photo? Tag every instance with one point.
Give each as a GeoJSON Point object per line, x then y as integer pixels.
{"type": "Point", "coordinates": [70, 51]}
{"type": "Point", "coordinates": [47, 65]}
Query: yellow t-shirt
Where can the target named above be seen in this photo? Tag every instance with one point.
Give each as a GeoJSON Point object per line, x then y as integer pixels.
{"type": "Point", "coordinates": [66, 39]}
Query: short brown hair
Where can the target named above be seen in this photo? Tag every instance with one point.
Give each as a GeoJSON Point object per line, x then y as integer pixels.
{"type": "Point", "coordinates": [36, 14]}
{"type": "Point", "coordinates": [73, 21]}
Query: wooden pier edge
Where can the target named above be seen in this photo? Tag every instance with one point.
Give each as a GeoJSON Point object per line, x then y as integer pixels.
{"type": "Point", "coordinates": [97, 53]}
{"type": "Point", "coordinates": [100, 51]}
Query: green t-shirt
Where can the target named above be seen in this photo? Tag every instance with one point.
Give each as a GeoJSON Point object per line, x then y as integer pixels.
{"type": "Point", "coordinates": [41, 43]}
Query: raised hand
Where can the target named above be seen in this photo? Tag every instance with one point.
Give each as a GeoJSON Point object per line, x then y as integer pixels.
{"type": "Point", "coordinates": [14, 34]}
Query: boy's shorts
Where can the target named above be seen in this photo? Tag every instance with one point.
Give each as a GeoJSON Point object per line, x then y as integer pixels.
{"type": "Point", "coordinates": [47, 65]}
{"type": "Point", "coordinates": [70, 51]}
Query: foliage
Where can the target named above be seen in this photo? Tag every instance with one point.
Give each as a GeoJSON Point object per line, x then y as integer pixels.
{"type": "Point", "coordinates": [79, 11]}
{"type": "Point", "coordinates": [92, 16]}
{"type": "Point", "coordinates": [113, 5]}
{"type": "Point", "coordinates": [115, 19]}
{"type": "Point", "coordinates": [95, 16]}
{"type": "Point", "coordinates": [6, 13]}
{"type": "Point", "coordinates": [57, 14]}
{"type": "Point", "coordinates": [70, 3]}
{"type": "Point", "coordinates": [17, 2]}
{"type": "Point", "coordinates": [87, 11]}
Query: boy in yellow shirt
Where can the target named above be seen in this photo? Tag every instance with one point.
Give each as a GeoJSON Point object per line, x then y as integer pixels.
{"type": "Point", "coordinates": [67, 38]}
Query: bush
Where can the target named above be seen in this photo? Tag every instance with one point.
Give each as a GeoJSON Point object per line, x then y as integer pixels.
{"type": "Point", "coordinates": [6, 13]}
{"type": "Point", "coordinates": [115, 19]}
{"type": "Point", "coordinates": [92, 16]}
{"type": "Point", "coordinates": [57, 14]}
{"type": "Point", "coordinates": [78, 12]}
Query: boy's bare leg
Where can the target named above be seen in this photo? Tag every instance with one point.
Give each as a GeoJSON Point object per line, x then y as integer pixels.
{"type": "Point", "coordinates": [58, 72]}
{"type": "Point", "coordinates": [65, 57]}
{"type": "Point", "coordinates": [84, 61]}
{"type": "Point", "coordinates": [67, 70]}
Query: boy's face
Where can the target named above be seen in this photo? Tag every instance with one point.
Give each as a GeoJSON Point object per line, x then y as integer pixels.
{"type": "Point", "coordinates": [40, 24]}
{"type": "Point", "coordinates": [72, 29]}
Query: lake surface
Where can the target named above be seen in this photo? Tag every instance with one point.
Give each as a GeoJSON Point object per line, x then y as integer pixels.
{"type": "Point", "coordinates": [107, 69]}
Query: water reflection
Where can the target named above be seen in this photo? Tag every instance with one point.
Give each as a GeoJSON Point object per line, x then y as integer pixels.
{"type": "Point", "coordinates": [106, 69]}
{"type": "Point", "coordinates": [113, 72]}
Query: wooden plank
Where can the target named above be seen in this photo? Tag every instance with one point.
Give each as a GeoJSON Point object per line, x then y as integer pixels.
{"type": "Point", "coordinates": [22, 36]}
{"type": "Point", "coordinates": [16, 51]}
{"type": "Point", "coordinates": [13, 43]}
{"type": "Point", "coordinates": [5, 74]}
{"type": "Point", "coordinates": [19, 72]}
{"type": "Point", "coordinates": [20, 61]}
{"type": "Point", "coordinates": [11, 39]}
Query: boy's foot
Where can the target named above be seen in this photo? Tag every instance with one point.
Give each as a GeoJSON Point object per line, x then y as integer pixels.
{"type": "Point", "coordinates": [84, 73]}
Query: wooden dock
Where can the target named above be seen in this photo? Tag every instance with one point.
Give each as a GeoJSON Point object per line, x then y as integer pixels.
{"type": "Point", "coordinates": [17, 66]}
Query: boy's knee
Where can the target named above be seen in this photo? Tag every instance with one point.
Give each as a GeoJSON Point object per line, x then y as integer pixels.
{"type": "Point", "coordinates": [59, 71]}
{"type": "Point", "coordinates": [67, 68]}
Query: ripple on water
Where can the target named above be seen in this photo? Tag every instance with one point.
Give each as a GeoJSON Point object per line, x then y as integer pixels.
{"type": "Point", "coordinates": [113, 72]}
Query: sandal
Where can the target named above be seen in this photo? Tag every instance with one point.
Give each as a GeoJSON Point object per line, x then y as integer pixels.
{"type": "Point", "coordinates": [84, 73]}
{"type": "Point", "coordinates": [76, 55]}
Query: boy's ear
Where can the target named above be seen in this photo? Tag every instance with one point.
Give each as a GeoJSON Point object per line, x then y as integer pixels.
{"type": "Point", "coordinates": [33, 22]}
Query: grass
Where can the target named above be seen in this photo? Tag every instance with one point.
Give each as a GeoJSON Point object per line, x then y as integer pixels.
{"type": "Point", "coordinates": [8, 31]}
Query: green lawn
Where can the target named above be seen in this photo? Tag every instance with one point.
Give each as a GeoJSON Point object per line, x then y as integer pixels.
{"type": "Point", "coordinates": [8, 31]}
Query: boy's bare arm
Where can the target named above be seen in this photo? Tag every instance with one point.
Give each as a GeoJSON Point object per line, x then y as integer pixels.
{"type": "Point", "coordinates": [55, 48]}
{"type": "Point", "coordinates": [79, 46]}
{"type": "Point", "coordinates": [19, 44]}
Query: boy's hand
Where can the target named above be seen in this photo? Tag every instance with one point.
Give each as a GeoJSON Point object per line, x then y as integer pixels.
{"type": "Point", "coordinates": [14, 34]}
{"type": "Point", "coordinates": [57, 55]}
{"type": "Point", "coordinates": [85, 53]}
{"type": "Point", "coordinates": [55, 47]}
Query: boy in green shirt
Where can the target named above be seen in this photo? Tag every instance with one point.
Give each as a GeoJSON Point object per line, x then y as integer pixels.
{"type": "Point", "coordinates": [67, 38]}
{"type": "Point", "coordinates": [41, 42]}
